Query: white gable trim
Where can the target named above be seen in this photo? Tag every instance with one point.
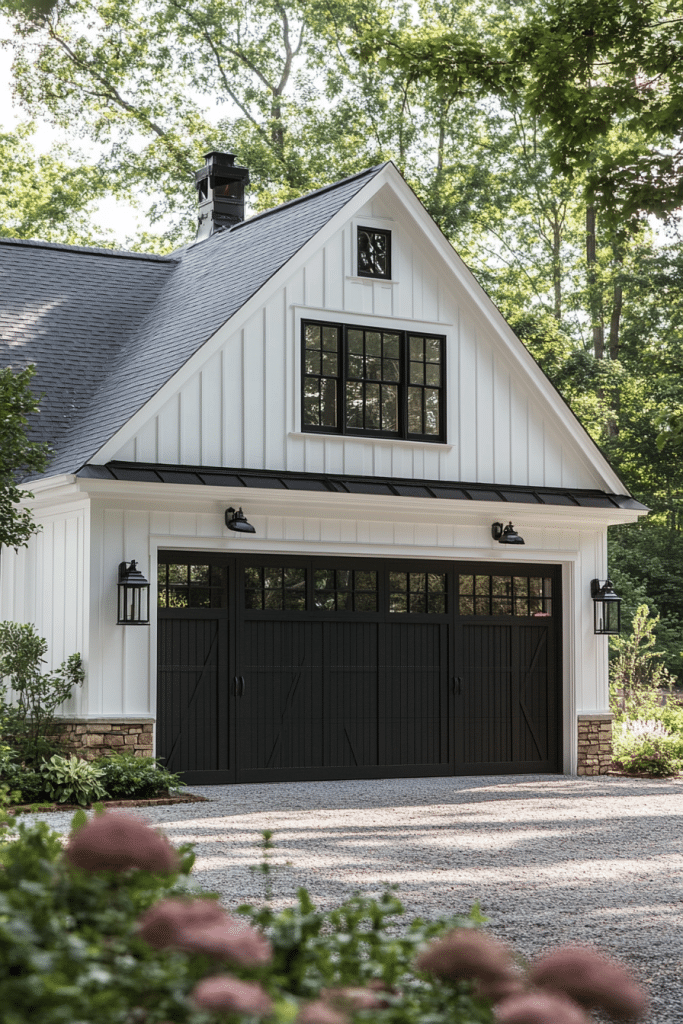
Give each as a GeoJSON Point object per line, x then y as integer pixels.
{"type": "Point", "coordinates": [526, 366]}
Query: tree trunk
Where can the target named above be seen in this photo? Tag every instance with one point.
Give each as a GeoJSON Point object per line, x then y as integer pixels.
{"type": "Point", "coordinates": [594, 303]}
{"type": "Point", "coordinates": [557, 270]}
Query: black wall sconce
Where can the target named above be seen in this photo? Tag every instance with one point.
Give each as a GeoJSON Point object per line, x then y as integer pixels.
{"type": "Point", "coordinates": [237, 521]}
{"type": "Point", "coordinates": [506, 534]}
{"type": "Point", "coordinates": [133, 596]}
{"type": "Point", "coordinates": [606, 608]}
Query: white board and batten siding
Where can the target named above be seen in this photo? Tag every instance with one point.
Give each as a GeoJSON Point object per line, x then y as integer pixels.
{"type": "Point", "coordinates": [47, 584]}
{"type": "Point", "coordinates": [239, 406]}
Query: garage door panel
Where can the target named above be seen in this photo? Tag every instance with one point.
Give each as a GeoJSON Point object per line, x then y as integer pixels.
{"type": "Point", "coordinates": [280, 712]}
{"type": "Point", "coordinates": [351, 669]}
{"type": "Point", "coordinates": [191, 675]}
{"type": "Point", "coordinates": [415, 691]}
{"type": "Point", "coordinates": [486, 709]}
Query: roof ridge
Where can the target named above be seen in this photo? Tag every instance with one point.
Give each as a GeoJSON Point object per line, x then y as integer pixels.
{"type": "Point", "coordinates": [92, 250]}
{"type": "Point", "coordinates": [370, 171]}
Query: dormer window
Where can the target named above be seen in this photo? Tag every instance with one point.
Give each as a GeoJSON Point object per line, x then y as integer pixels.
{"type": "Point", "coordinates": [374, 253]}
{"type": "Point", "coordinates": [373, 382]}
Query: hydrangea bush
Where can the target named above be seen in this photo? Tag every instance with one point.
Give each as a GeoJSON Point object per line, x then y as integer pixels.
{"type": "Point", "coordinates": [112, 930]}
{"type": "Point", "coordinates": [647, 745]}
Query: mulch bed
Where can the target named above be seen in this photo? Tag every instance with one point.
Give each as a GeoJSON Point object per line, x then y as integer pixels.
{"type": "Point", "coordinates": [157, 801]}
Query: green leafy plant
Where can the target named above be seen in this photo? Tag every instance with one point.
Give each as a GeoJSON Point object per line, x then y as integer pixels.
{"type": "Point", "coordinates": [636, 672]}
{"type": "Point", "coordinates": [646, 746]}
{"type": "Point", "coordinates": [126, 776]}
{"type": "Point", "coordinates": [73, 780]}
{"type": "Point", "coordinates": [28, 723]}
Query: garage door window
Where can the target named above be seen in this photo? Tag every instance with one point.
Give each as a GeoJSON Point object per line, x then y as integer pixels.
{"type": "Point", "coordinates": [279, 589]}
{"type": "Point", "coordinates": [527, 596]}
{"type": "Point", "coordinates": [348, 590]}
{"type": "Point", "coordinates": [417, 592]}
{"type": "Point", "coordinates": [190, 586]}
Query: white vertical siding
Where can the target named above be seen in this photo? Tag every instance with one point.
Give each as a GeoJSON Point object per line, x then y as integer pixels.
{"type": "Point", "coordinates": [47, 585]}
{"type": "Point", "coordinates": [241, 407]}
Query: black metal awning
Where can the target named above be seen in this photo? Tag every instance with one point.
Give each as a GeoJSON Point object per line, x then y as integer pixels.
{"type": "Point", "coordinates": [342, 484]}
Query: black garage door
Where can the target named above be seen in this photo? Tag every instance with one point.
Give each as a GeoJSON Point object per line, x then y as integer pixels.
{"type": "Point", "coordinates": [293, 669]}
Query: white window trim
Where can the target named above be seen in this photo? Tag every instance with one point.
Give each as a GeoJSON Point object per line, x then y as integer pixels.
{"type": "Point", "coordinates": [363, 320]}
{"type": "Point", "coordinates": [381, 224]}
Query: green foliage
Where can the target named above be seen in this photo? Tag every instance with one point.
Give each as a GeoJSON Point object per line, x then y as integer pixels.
{"type": "Point", "coordinates": [636, 671]}
{"type": "Point", "coordinates": [647, 746]}
{"type": "Point", "coordinates": [69, 952]}
{"type": "Point", "coordinates": [19, 456]}
{"type": "Point", "coordinates": [29, 722]}
{"type": "Point", "coordinates": [125, 776]}
{"type": "Point", "coordinates": [72, 781]}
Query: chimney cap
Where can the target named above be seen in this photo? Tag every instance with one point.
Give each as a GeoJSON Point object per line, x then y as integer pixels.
{"type": "Point", "coordinates": [218, 163]}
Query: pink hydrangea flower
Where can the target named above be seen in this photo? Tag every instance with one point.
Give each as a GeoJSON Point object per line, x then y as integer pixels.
{"type": "Point", "coordinates": [226, 939]}
{"type": "Point", "coordinates": [465, 953]}
{"type": "Point", "coordinates": [226, 994]}
{"type": "Point", "coordinates": [118, 842]}
{"type": "Point", "coordinates": [591, 979]}
{"type": "Point", "coordinates": [320, 1012]}
{"type": "Point", "coordinates": [539, 1008]}
{"type": "Point", "coordinates": [160, 924]}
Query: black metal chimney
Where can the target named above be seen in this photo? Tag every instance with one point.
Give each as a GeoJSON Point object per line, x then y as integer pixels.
{"type": "Point", "coordinates": [220, 185]}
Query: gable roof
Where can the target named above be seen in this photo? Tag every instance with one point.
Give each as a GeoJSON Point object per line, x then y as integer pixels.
{"type": "Point", "coordinates": [107, 329]}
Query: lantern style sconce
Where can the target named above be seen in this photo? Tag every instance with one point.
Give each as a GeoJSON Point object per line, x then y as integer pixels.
{"type": "Point", "coordinates": [133, 596]}
{"type": "Point", "coordinates": [237, 521]}
{"type": "Point", "coordinates": [506, 534]}
{"type": "Point", "coordinates": [606, 608]}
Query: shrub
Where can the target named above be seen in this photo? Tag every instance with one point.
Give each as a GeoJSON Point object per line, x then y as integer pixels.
{"type": "Point", "coordinates": [126, 776]}
{"type": "Point", "coordinates": [646, 746]}
{"type": "Point", "coordinates": [73, 780]}
{"type": "Point", "coordinates": [636, 672]}
{"type": "Point", "coordinates": [29, 723]}
{"type": "Point", "coordinates": [127, 944]}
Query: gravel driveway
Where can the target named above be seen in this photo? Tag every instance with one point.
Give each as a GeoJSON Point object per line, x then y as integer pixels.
{"type": "Point", "coordinates": [550, 859]}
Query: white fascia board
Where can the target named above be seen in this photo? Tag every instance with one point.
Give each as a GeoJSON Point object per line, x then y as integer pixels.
{"type": "Point", "coordinates": [333, 505]}
{"type": "Point", "coordinates": [52, 491]}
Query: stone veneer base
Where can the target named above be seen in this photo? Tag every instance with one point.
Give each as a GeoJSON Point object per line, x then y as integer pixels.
{"type": "Point", "coordinates": [93, 737]}
{"type": "Point", "coordinates": [595, 744]}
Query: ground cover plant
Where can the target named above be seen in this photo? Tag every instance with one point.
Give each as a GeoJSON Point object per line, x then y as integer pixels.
{"type": "Point", "coordinates": [112, 929]}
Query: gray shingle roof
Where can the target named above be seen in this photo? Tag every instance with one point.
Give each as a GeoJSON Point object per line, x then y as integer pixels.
{"type": "Point", "coordinates": [107, 329]}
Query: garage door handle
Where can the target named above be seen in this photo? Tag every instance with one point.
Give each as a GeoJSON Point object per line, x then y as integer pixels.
{"type": "Point", "coordinates": [239, 686]}
{"type": "Point", "coordinates": [457, 681]}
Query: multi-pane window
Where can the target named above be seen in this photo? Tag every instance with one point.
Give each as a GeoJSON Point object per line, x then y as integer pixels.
{"type": "Point", "coordinates": [506, 595]}
{"type": "Point", "coordinates": [417, 592]}
{"type": "Point", "coordinates": [278, 589]}
{"type": "Point", "coordinates": [374, 253]}
{"type": "Point", "coordinates": [347, 590]}
{"type": "Point", "coordinates": [190, 586]}
{"type": "Point", "coordinates": [321, 374]}
{"type": "Point", "coordinates": [359, 380]}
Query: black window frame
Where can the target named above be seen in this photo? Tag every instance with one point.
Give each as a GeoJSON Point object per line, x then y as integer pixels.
{"type": "Point", "coordinates": [404, 384]}
{"type": "Point", "coordinates": [369, 273]}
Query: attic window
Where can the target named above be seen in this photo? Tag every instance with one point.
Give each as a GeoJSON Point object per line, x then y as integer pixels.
{"type": "Point", "coordinates": [365, 381]}
{"type": "Point", "coordinates": [374, 253]}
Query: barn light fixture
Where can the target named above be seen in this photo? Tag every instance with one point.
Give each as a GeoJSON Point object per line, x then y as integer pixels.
{"type": "Point", "coordinates": [606, 608]}
{"type": "Point", "coordinates": [133, 596]}
{"type": "Point", "coordinates": [237, 521]}
{"type": "Point", "coordinates": [506, 534]}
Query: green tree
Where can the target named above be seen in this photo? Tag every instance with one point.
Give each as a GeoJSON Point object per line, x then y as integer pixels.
{"type": "Point", "coordinates": [19, 455]}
